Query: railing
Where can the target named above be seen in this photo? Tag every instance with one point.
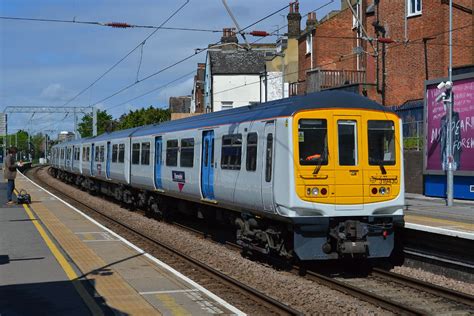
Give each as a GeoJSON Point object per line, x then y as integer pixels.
{"type": "Point", "coordinates": [413, 135]}
{"type": "Point", "coordinates": [319, 79]}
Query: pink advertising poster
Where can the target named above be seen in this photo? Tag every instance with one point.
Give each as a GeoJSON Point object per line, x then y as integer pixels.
{"type": "Point", "coordinates": [462, 127]}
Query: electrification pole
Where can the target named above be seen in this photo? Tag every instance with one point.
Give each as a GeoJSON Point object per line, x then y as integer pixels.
{"type": "Point", "coordinates": [449, 135]}
{"type": "Point", "coordinates": [94, 121]}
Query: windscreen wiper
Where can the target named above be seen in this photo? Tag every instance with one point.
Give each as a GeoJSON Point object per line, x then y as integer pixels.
{"type": "Point", "coordinates": [381, 165]}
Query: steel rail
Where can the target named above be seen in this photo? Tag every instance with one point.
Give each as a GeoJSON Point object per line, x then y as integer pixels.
{"type": "Point", "coordinates": [233, 282]}
{"type": "Point", "coordinates": [459, 297]}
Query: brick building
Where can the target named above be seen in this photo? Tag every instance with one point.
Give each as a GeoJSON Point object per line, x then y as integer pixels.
{"type": "Point", "coordinates": [335, 52]}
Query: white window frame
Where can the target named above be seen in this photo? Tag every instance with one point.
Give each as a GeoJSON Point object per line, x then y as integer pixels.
{"type": "Point", "coordinates": [415, 12]}
{"type": "Point", "coordinates": [309, 43]}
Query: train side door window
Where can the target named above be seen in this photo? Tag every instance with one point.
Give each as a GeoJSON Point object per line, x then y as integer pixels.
{"type": "Point", "coordinates": [97, 154]}
{"type": "Point", "coordinates": [187, 152]}
{"type": "Point", "coordinates": [135, 153]}
{"type": "Point", "coordinates": [145, 153]}
{"type": "Point", "coordinates": [269, 158]}
{"type": "Point", "coordinates": [347, 133]}
{"type": "Point", "coordinates": [251, 162]}
{"type": "Point", "coordinates": [313, 142]}
{"type": "Point", "coordinates": [231, 152]}
{"type": "Point", "coordinates": [88, 153]}
{"type": "Point", "coordinates": [172, 153]}
{"type": "Point", "coordinates": [114, 153]}
{"type": "Point", "coordinates": [102, 156]}
{"type": "Point", "coordinates": [381, 138]}
{"type": "Point", "coordinates": [121, 153]}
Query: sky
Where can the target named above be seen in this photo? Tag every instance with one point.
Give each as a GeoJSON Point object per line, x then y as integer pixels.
{"type": "Point", "coordinates": [47, 64]}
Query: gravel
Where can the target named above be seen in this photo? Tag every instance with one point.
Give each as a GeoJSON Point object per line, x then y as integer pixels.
{"type": "Point", "coordinates": [306, 296]}
{"type": "Point", "coordinates": [440, 280]}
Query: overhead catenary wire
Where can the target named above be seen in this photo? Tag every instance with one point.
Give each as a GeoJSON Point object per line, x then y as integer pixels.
{"type": "Point", "coordinates": [128, 54]}
{"type": "Point", "coordinates": [180, 61]}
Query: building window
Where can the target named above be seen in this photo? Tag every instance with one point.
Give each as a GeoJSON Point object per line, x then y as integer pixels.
{"type": "Point", "coordinates": [269, 158]}
{"type": "Point", "coordinates": [309, 43]}
{"type": "Point", "coordinates": [172, 152]}
{"type": "Point", "coordinates": [187, 152]}
{"type": "Point", "coordinates": [251, 163]}
{"type": "Point", "coordinates": [121, 155]}
{"type": "Point", "coordinates": [227, 105]}
{"type": "Point", "coordinates": [413, 7]}
{"type": "Point", "coordinates": [145, 153]}
{"type": "Point", "coordinates": [231, 152]}
{"type": "Point", "coordinates": [114, 152]}
{"type": "Point", "coordinates": [136, 154]}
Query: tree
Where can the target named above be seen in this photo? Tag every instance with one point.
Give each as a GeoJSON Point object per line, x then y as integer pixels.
{"type": "Point", "coordinates": [144, 116]}
{"type": "Point", "coordinates": [105, 123]}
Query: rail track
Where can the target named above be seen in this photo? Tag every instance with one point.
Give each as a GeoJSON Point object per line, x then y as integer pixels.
{"type": "Point", "coordinates": [244, 297]}
{"type": "Point", "coordinates": [391, 291]}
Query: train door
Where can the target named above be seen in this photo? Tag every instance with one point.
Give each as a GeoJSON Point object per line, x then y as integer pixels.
{"type": "Point", "coordinates": [267, 166]}
{"type": "Point", "coordinates": [108, 161]}
{"type": "Point", "coordinates": [92, 159]}
{"type": "Point", "coordinates": [158, 162]}
{"type": "Point", "coordinates": [348, 169]}
{"type": "Point", "coordinates": [207, 165]}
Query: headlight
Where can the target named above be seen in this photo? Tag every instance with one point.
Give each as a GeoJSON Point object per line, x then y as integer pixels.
{"type": "Point", "coordinates": [315, 191]}
{"type": "Point", "coordinates": [382, 190]}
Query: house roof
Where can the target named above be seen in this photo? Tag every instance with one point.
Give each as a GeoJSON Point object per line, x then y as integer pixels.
{"type": "Point", "coordinates": [237, 62]}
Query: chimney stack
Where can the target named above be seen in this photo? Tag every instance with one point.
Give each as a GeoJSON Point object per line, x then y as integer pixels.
{"type": "Point", "coordinates": [228, 36]}
{"type": "Point", "coordinates": [311, 21]}
{"type": "Point", "coordinates": [294, 20]}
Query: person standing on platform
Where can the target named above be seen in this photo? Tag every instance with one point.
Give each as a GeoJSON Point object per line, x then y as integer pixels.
{"type": "Point", "coordinates": [10, 173]}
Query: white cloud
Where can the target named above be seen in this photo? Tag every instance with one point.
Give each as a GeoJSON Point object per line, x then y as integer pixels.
{"type": "Point", "coordinates": [56, 92]}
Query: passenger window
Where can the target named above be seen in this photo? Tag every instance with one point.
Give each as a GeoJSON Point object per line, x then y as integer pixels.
{"type": "Point", "coordinates": [145, 153]}
{"type": "Point", "coordinates": [251, 163]}
{"type": "Point", "coordinates": [187, 152]}
{"type": "Point", "coordinates": [231, 152]}
{"type": "Point", "coordinates": [136, 154]}
{"type": "Point", "coordinates": [121, 155]}
{"type": "Point", "coordinates": [114, 152]}
{"type": "Point", "coordinates": [269, 158]}
{"type": "Point", "coordinates": [102, 151]}
{"type": "Point", "coordinates": [97, 154]}
{"type": "Point", "coordinates": [313, 142]}
{"type": "Point", "coordinates": [172, 153]}
{"type": "Point", "coordinates": [347, 133]}
{"type": "Point", "coordinates": [381, 143]}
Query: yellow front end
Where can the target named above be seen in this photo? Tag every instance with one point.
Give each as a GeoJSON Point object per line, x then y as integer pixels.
{"type": "Point", "coordinates": [347, 156]}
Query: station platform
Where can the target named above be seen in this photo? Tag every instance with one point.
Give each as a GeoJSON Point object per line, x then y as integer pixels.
{"type": "Point", "coordinates": [54, 260]}
{"type": "Point", "coordinates": [432, 215]}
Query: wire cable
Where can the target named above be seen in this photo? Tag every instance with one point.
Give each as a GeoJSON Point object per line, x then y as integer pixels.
{"type": "Point", "coordinates": [128, 54]}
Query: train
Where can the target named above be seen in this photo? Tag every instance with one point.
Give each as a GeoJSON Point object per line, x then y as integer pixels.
{"type": "Point", "coordinates": [317, 177]}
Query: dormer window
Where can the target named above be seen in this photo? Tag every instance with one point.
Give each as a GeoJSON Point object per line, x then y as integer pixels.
{"type": "Point", "coordinates": [413, 7]}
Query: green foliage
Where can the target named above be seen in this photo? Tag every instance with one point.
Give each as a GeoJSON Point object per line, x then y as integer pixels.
{"type": "Point", "coordinates": [144, 116]}
{"type": "Point", "coordinates": [413, 143]}
{"type": "Point", "coordinates": [104, 123]}
{"type": "Point", "coordinates": [136, 118]}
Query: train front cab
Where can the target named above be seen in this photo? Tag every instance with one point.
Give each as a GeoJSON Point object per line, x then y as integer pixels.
{"type": "Point", "coordinates": [349, 180]}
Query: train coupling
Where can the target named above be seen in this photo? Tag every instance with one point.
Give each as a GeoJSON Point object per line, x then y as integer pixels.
{"type": "Point", "coordinates": [350, 239]}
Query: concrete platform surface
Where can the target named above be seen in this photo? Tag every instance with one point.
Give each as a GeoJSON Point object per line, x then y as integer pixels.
{"type": "Point", "coordinates": [432, 214]}
{"type": "Point", "coordinates": [85, 268]}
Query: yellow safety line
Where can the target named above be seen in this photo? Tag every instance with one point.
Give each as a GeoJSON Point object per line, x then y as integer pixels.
{"type": "Point", "coordinates": [439, 221]}
{"type": "Point", "coordinates": [71, 274]}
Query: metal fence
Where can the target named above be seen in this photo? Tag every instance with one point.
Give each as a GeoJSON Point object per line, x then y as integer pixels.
{"type": "Point", "coordinates": [413, 135]}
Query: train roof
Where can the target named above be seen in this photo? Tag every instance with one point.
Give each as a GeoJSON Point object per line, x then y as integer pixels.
{"type": "Point", "coordinates": [278, 108]}
{"type": "Point", "coordinates": [115, 135]}
{"type": "Point", "coordinates": [268, 110]}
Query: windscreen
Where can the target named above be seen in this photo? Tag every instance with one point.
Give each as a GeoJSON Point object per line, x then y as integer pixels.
{"type": "Point", "coordinates": [312, 141]}
{"type": "Point", "coordinates": [381, 142]}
